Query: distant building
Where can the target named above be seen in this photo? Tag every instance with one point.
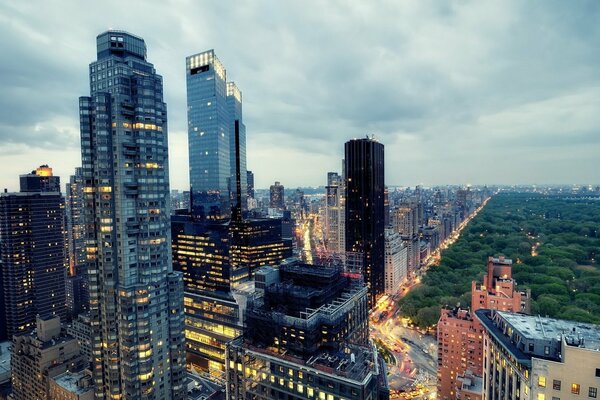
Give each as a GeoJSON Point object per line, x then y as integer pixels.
{"type": "Point", "coordinates": [40, 180]}
{"type": "Point", "coordinates": [277, 199]}
{"type": "Point", "coordinates": [460, 337]}
{"type": "Point", "coordinates": [39, 356]}
{"type": "Point", "coordinates": [396, 261]}
{"type": "Point", "coordinates": [307, 337]}
{"type": "Point", "coordinates": [536, 358]}
{"type": "Point", "coordinates": [335, 214]}
{"type": "Point", "coordinates": [364, 217]}
{"type": "Point", "coordinates": [32, 251]}
{"type": "Point", "coordinates": [250, 180]}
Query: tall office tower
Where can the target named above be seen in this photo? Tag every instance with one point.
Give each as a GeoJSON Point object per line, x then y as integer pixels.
{"type": "Point", "coordinates": [213, 106]}
{"type": "Point", "coordinates": [32, 251]}
{"type": "Point", "coordinates": [277, 199]}
{"type": "Point", "coordinates": [460, 343]}
{"type": "Point", "coordinates": [306, 337]}
{"type": "Point", "coordinates": [250, 180]}
{"type": "Point", "coordinates": [39, 356]}
{"type": "Point", "coordinates": [335, 214]}
{"type": "Point", "coordinates": [77, 282]}
{"type": "Point", "coordinates": [364, 159]}
{"type": "Point", "coordinates": [396, 261]}
{"type": "Point", "coordinates": [40, 180]}
{"type": "Point", "coordinates": [536, 358]}
{"type": "Point", "coordinates": [136, 300]}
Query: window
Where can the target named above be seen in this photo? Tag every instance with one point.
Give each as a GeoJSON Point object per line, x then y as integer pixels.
{"type": "Point", "coordinates": [597, 372]}
{"type": "Point", "coordinates": [556, 384]}
{"type": "Point", "coordinates": [555, 398]}
{"type": "Point", "coordinates": [593, 392]}
{"type": "Point", "coordinates": [541, 396]}
{"type": "Point", "coordinates": [575, 388]}
{"type": "Point", "coordinates": [542, 381]}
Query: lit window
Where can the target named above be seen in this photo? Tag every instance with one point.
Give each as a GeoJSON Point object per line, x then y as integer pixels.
{"type": "Point", "coordinates": [542, 381]}
{"type": "Point", "coordinates": [541, 396]}
{"type": "Point", "coordinates": [575, 387]}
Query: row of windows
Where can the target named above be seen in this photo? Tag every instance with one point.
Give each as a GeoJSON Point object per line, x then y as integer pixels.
{"type": "Point", "coordinates": [557, 384]}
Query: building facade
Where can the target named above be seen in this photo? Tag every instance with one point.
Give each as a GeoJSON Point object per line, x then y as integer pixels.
{"type": "Point", "coordinates": [460, 335]}
{"type": "Point", "coordinates": [277, 196]}
{"type": "Point", "coordinates": [136, 300]}
{"type": "Point", "coordinates": [396, 261]}
{"type": "Point", "coordinates": [365, 225]}
{"type": "Point", "coordinates": [213, 107]}
{"type": "Point", "coordinates": [335, 214]}
{"type": "Point", "coordinates": [531, 357]}
{"type": "Point", "coordinates": [32, 251]}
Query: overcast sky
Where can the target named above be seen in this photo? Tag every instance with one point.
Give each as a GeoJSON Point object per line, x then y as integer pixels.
{"type": "Point", "coordinates": [458, 92]}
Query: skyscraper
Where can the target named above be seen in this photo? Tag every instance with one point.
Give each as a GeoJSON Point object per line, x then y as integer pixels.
{"type": "Point", "coordinates": [250, 180]}
{"type": "Point", "coordinates": [364, 167]}
{"type": "Point", "coordinates": [213, 107]}
{"type": "Point", "coordinates": [136, 300]}
{"type": "Point", "coordinates": [77, 282]}
{"type": "Point", "coordinates": [335, 214]}
{"type": "Point", "coordinates": [277, 193]}
{"type": "Point", "coordinates": [32, 251]}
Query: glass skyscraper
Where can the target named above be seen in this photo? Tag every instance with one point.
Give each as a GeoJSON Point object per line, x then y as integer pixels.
{"type": "Point", "coordinates": [364, 216]}
{"type": "Point", "coordinates": [136, 300]}
{"type": "Point", "coordinates": [213, 107]}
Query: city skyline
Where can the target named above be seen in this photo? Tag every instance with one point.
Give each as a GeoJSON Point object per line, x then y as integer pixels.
{"type": "Point", "coordinates": [449, 89]}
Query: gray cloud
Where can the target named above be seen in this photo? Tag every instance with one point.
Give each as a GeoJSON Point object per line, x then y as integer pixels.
{"type": "Point", "coordinates": [449, 88]}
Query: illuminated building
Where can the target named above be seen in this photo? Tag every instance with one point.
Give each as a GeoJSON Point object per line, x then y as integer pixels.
{"type": "Point", "coordinates": [40, 180]}
{"type": "Point", "coordinates": [277, 199]}
{"type": "Point", "coordinates": [396, 261]}
{"type": "Point", "coordinates": [460, 337]}
{"type": "Point", "coordinates": [217, 258]}
{"type": "Point", "coordinates": [32, 252]}
{"type": "Point", "coordinates": [136, 300]}
{"type": "Point", "coordinates": [536, 358]}
{"type": "Point", "coordinates": [306, 337]}
{"type": "Point", "coordinates": [365, 223]}
{"type": "Point", "coordinates": [39, 356]}
{"type": "Point", "coordinates": [213, 106]}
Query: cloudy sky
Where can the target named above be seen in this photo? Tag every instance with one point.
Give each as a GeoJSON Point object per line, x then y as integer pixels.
{"type": "Point", "coordinates": [459, 92]}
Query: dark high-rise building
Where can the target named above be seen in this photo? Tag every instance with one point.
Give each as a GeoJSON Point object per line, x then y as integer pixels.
{"type": "Point", "coordinates": [77, 281]}
{"type": "Point", "coordinates": [277, 196]}
{"type": "Point", "coordinates": [213, 107]}
{"type": "Point", "coordinates": [136, 300]}
{"type": "Point", "coordinates": [32, 252]}
{"type": "Point", "coordinates": [307, 336]}
{"type": "Point", "coordinates": [40, 180]}
{"type": "Point", "coordinates": [250, 179]}
{"type": "Point", "coordinates": [365, 222]}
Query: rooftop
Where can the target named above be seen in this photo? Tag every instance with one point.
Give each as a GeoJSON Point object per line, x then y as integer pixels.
{"type": "Point", "coordinates": [577, 334]}
{"type": "Point", "coordinates": [74, 382]}
{"type": "Point", "coordinates": [351, 361]}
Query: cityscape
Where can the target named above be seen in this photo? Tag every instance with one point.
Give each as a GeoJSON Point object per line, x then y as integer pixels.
{"type": "Point", "coordinates": [230, 273]}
